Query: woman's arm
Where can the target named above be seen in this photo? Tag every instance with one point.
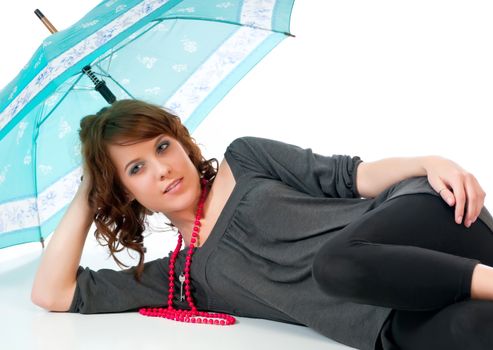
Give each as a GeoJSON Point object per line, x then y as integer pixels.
{"type": "Point", "coordinates": [55, 280]}
{"type": "Point", "coordinates": [300, 168]}
{"type": "Point", "coordinates": [454, 184]}
{"type": "Point", "coordinates": [374, 177]}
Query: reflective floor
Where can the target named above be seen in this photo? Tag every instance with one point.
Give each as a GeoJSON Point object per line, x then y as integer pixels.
{"type": "Point", "coordinates": [24, 325]}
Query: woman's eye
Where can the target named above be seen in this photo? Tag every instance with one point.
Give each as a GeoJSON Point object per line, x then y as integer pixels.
{"type": "Point", "coordinates": [162, 146]}
{"type": "Point", "coordinates": [134, 169]}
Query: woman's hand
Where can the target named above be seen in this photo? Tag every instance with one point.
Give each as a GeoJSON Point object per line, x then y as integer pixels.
{"type": "Point", "coordinates": [456, 186]}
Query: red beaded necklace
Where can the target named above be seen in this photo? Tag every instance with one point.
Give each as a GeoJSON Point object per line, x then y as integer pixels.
{"type": "Point", "coordinates": [193, 315]}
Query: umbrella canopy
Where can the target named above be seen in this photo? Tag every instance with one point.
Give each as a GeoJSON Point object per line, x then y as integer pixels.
{"type": "Point", "coordinates": [183, 55]}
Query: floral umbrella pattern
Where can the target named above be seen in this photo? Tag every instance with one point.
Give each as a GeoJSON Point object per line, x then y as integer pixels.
{"type": "Point", "coordinates": [183, 55]}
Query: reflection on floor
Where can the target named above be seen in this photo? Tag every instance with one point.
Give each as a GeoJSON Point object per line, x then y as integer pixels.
{"type": "Point", "coordinates": [26, 326]}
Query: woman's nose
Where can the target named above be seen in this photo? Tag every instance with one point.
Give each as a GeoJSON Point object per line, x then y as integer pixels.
{"type": "Point", "coordinates": [163, 170]}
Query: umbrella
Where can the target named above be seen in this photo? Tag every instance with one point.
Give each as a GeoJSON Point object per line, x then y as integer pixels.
{"type": "Point", "coordinates": [183, 55]}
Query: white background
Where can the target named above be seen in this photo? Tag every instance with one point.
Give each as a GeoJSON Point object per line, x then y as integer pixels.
{"type": "Point", "coordinates": [375, 79]}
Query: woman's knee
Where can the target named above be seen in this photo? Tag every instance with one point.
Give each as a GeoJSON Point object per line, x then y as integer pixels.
{"type": "Point", "coordinates": [470, 323]}
{"type": "Point", "coordinates": [463, 325]}
{"type": "Point", "coordinates": [339, 271]}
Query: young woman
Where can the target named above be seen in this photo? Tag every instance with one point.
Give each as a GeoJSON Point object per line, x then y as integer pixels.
{"type": "Point", "coordinates": [383, 255]}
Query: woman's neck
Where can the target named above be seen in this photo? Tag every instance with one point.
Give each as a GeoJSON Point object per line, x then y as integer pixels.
{"type": "Point", "coordinates": [185, 222]}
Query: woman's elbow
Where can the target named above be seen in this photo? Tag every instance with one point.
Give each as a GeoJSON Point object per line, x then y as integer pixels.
{"type": "Point", "coordinates": [60, 303]}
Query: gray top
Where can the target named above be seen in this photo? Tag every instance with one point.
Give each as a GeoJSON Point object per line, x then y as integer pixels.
{"type": "Point", "coordinates": [257, 260]}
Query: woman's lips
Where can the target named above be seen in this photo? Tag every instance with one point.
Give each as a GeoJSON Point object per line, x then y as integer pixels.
{"type": "Point", "coordinates": [175, 187]}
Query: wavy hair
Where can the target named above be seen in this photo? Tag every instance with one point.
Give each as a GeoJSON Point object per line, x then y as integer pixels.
{"type": "Point", "coordinates": [118, 220]}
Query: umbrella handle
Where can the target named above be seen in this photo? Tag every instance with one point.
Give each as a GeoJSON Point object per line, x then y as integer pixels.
{"type": "Point", "coordinates": [45, 21]}
{"type": "Point", "coordinates": [99, 85]}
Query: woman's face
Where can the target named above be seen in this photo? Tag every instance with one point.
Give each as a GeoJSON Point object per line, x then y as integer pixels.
{"type": "Point", "coordinates": [147, 168]}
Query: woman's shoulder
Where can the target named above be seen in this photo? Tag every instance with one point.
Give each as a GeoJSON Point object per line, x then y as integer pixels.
{"type": "Point", "coordinates": [244, 140]}
{"type": "Point", "coordinates": [247, 148]}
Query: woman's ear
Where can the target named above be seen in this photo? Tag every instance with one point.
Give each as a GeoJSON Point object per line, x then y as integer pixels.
{"type": "Point", "coordinates": [130, 197]}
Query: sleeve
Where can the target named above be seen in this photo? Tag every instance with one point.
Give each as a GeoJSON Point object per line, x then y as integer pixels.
{"type": "Point", "coordinates": [315, 174]}
{"type": "Point", "coordinates": [108, 290]}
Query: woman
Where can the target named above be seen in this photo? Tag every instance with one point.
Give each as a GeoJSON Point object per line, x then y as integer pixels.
{"type": "Point", "coordinates": [283, 234]}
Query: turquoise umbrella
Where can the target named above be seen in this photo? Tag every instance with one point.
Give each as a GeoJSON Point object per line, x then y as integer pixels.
{"type": "Point", "coordinates": [183, 55]}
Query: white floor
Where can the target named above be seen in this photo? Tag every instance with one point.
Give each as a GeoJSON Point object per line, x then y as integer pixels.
{"type": "Point", "coordinates": [23, 325]}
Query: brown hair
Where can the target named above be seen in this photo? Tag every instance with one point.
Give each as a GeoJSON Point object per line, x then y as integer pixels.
{"type": "Point", "coordinates": [117, 220]}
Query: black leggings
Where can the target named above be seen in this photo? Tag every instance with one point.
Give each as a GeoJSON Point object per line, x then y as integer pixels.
{"type": "Point", "coordinates": [408, 254]}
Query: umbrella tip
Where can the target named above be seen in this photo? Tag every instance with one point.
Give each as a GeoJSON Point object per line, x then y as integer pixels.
{"type": "Point", "coordinates": [38, 13]}
{"type": "Point", "coordinates": [45, 21]}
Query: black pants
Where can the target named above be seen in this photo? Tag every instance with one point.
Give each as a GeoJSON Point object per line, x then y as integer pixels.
{"type": "Point", "coordinates": [408, 254]}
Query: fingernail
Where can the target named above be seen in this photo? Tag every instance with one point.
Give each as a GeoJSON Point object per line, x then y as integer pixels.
{"type": "Point", "coordinates": [460, 219]}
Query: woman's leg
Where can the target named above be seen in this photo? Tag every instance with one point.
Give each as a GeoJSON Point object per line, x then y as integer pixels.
{"type": "Point", "coordinates": [463, 325]}
{"type": "Point", "coordinates": [408, 254]}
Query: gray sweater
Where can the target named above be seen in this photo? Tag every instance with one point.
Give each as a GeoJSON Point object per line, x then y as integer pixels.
{"type": "Point", "coordinates": [257, 260]}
